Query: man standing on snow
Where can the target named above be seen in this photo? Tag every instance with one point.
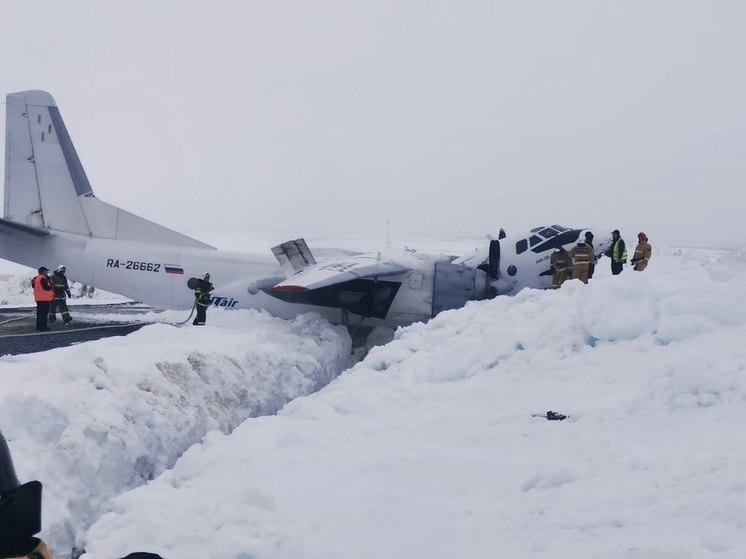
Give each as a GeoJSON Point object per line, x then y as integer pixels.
{"type": "Point", "coordinates": [561, 264]}
{"type": "Point", "coordinates": [643, 252]}
{"type": "Point", "coordinates": [617, 253]}
{"type": "Point", "coordinates": [589, 242]}
{"type": "Point", "coordinates": [202, 300]}
{"type": "Point", "coordinates": [61, 293]}
{"type": "Point", "coordinates": [43, 295]}
{"type": "Point", "coordinates": [582, 257]}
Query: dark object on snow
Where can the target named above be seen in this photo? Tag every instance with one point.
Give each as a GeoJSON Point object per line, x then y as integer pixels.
{"type": "Point", "coordinates": [20, 509]}
{"type": "Point", "coordinates": [550, 415]}
{"type": "Point", "coordinates": [141, 555]}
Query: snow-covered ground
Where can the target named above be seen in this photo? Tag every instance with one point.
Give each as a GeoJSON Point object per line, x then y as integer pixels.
{"type": "Point", "coordinates": [427, 448]}
{"type": "Point", "coordinates": [16, 291]}
{"type": "Point", "coordinates": [93, 420]}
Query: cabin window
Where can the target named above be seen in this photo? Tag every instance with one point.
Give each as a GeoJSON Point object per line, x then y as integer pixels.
{"type": "Point", "coordinates": [548, 233]}
{"type": "Point", "coordinates": [521, 246]}
{"type": "Point", "coordinates": [534, 240]}
{"type": "Point", "coordinates": [512, 270]}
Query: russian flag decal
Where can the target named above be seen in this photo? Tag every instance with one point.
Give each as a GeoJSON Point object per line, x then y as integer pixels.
{"type": "Point", "coordinates": [173, 269]}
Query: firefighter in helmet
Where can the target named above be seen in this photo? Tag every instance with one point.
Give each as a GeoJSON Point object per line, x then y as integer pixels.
{"type": "Point", "coordinates": [61, 293]}
{"type": "Point", "coordinates": [561, 264]}
{"type": "Point", "coordinates": [582, 256]}
{"type": "Point", "coordinates": [202, 299]}
{"type": "Point", "coordinates": [643, 252]}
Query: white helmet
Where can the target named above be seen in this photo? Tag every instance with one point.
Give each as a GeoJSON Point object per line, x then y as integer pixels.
{"type": "Point", "coordinates": [61, 267]}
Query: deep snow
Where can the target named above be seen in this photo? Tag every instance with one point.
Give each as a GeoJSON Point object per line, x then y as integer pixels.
{"type": "Point", "coordinates": [93, 420]}
{"type": "Point", "coordinates": [427, 448]}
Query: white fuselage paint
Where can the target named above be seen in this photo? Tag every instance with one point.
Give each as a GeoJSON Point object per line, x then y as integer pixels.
{"type": "Point", "coordinates": [123, 267]}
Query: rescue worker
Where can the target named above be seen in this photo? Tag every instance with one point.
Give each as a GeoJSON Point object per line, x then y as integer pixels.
{"type": "Point", "coordinates": [643, 252]}
{"type": "Point", "coordinates": [19, 513]}
{"type": "Point", "coordinates": [202, 300]}
{"type": "Point", "coordinates": [582, 256]}
{"type": "Point", "coordinates": [617, 252]}
{"type": "Point", "coordinates": [561, 264]}
{"type": "Point", "coordinates": [43, 295]}
{"type": "Point", "coordinates": [589, 242]}
{"type": "Point", "coordinates": [61, 293]}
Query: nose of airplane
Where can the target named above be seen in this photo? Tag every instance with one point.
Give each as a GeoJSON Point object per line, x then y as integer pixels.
{"type": "Point", "coordinates": [8, 479]}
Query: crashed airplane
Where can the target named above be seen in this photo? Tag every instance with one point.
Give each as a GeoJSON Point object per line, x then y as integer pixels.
{"type": "Point", "coordinates": [51, 215]}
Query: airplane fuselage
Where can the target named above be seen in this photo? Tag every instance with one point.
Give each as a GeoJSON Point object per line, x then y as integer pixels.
{"type": "Point", "coordinates": [156, 274]}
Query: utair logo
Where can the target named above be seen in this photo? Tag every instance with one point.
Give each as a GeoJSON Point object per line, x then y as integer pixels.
{"type": "Point", "coordinates": [225, 302]}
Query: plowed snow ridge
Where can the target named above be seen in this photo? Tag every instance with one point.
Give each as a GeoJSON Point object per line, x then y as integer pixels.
{"type": "Point", "coordinates": [93, 420]}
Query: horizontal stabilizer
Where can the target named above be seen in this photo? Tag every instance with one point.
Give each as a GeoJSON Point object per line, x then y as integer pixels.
{"type": "Point", "coordinates": [29, 229]}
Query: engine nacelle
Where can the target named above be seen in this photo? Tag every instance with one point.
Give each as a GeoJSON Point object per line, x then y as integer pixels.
{"type": "Point", "coordinates": [454, 285]}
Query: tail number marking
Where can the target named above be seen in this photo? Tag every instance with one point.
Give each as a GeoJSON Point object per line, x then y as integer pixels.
{"type": "Point", "coordinates": [133, 265]}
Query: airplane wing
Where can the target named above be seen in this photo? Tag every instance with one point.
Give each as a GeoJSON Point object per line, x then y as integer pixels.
{"type": "Point", "coordinates": [338, 271]}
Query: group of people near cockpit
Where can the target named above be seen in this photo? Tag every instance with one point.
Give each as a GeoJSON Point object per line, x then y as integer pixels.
{"type": "Point", "coordinates": [580, 261]}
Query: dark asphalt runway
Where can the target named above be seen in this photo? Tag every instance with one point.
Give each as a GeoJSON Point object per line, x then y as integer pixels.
{"type": "Point", "coordinates": [18, 334]}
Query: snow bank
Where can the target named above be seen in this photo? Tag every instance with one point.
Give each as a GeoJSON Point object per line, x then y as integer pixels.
{"type": "Point", "coordinates": [16, 291]}
{"type": "Point", "coordinates": [93, 420]}
{"type": "Point", "coordinates": [427, 447]}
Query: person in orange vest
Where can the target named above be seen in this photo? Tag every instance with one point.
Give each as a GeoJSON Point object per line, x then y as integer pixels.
{"type": "Point", "coordinates": [43, 295]}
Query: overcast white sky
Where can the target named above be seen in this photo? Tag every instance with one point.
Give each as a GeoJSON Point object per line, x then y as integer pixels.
{"type": "Point", "coordinates": [449, 118]}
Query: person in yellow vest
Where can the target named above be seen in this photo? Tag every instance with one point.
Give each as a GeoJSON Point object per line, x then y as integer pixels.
{"type": "Point", "coordinates": [582, 256]}
{"type": "Point", "coordinates": [643, 252]}
{"type": "Point", "coordinates": [561, 264]}
{"type": "Point", "coordinates": [43, 295]}
{"type": "Point", "coordinates": [617, 252]}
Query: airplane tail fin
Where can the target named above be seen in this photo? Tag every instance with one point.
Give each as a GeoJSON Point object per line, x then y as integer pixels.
{"type": "Point", "coordinates": [47, 187]}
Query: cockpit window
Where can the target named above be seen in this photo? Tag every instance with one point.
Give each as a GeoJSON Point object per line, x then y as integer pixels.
{"type": "Point", "coordinates": [535, 229]}
{"type": "Point", "coordinates": [521, 246]}
{"type": "Point", "coordinates": [547, 233]}
{"type": "Point", "coordinates": [534, 240]}
{"type": "Point", "coordinates": [559, 228]}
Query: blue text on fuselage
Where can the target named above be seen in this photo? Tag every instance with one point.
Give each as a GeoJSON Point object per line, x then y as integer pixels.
{"type": "Point", "coordinates": [225, 302]}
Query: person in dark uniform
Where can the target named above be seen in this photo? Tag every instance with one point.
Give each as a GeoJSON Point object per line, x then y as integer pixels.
{"type": "Point", "coordinates": [61, 293]}
{"type": "Point", "coordinates": [589, 242]}
{"type": "Point", "coordinates": [43, 295]}
{"type": "Point", "coordinates": [202, 300]}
